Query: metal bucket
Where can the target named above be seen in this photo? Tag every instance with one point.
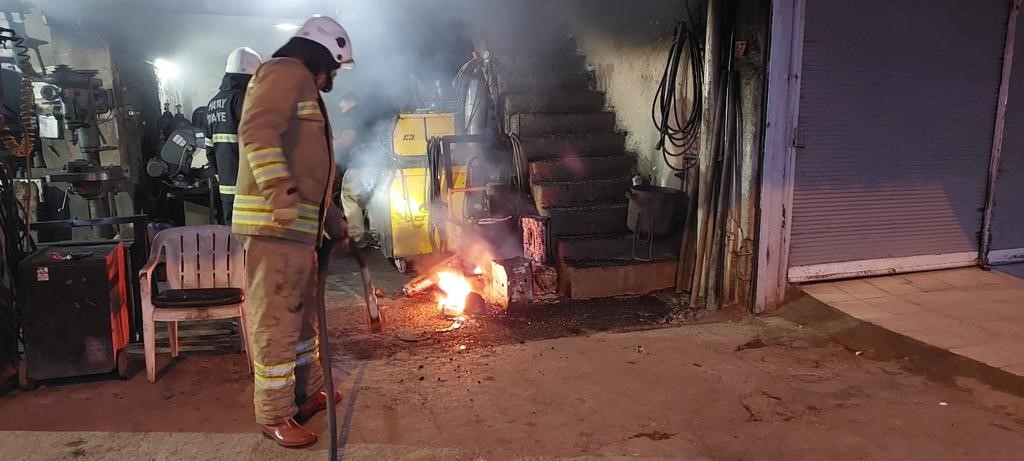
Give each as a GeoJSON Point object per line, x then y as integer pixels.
{"type": "Point", "coordinates": [652, 210]}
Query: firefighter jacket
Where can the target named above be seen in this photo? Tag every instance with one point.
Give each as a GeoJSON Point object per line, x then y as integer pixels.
{"type": "Point", "coordinates": [286, 170]}
{"type": "Point", "coordinates": [222, 117]}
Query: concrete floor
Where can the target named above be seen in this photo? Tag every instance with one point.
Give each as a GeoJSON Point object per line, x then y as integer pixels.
{"type": "Point", "coordinates": [762, 389]}
{"type": "Point", "coordinates": [973, 313]}
{"type": "Point", "coordinates": [581, 382]}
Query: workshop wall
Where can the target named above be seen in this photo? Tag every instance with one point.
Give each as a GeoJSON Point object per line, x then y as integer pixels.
{"type": "Point", "coordinates": [80, 43]}
{"type": "Point", "coordinates": [82, 48]}
{"type": "Point", "coordinates": [52, 43]}
{"type": "Point", "coordinates": [627, 48]}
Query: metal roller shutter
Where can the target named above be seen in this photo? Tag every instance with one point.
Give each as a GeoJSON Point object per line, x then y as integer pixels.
{"type": "Point", "coordinates": [1008, 206]}
{"type": "Point", "coordinates": [897, 109]}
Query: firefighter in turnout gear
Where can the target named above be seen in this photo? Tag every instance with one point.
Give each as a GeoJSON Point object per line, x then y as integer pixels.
{"type": "Point", "coordinates": [282, 211]}
{"type": "Point", "coordinates": [222, 116]}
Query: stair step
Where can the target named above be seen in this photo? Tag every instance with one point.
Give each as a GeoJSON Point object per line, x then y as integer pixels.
{"type": "Point", "coordinates": [592, 279]}
{"type": "Point", "coordinates": [617, 247]}
{"type": "Point", "coordinates": [543, 81]}
{"type": "Point", "coordinates": [562, 60]}
{"type": "Point", "coordinates": [581, 168]}
{"type": "Point", "coordinates": [566, 102]}
{"type": "Point", "coordinates": [554, 124]}
{"type": "Point", "coordinates": [579, 192]}
{"type": "Point", "coordinates": [605, 218]}
{"type": "Point", "coordinates": [510, 48]}
{"type": "Point", "coordinates": [573, 146]}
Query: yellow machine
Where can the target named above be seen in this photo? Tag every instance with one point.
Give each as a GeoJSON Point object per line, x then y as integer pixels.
{"type": "Point", "coordinates": [412, 131]}
{"type": "Point", "coordinates": [402, 208]}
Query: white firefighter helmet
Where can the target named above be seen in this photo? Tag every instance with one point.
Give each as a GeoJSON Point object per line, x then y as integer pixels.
{"type": "Point", "coordinates": [331, 35]}
{"type": "Point", "coordinates": [243, 61]}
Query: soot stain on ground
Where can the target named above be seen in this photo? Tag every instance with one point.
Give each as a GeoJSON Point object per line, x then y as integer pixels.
{"type": "Point", "coordinates": [412, 324]}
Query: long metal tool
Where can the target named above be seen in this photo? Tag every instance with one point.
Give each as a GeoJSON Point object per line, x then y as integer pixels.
{"type": "Point", "coordinates": [373, 314]}
{"type": "Point", "coordinates": [376, 320]}
{"type": "Point", "coordinates": [323, 260]}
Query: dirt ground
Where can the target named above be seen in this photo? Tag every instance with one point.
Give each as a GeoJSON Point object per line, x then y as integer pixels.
{"type": "Point", "coordinates": [626, 379]}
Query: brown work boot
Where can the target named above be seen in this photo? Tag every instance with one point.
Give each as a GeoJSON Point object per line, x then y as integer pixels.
{"type": "Point", "coordinates": [289, 434]}
{"type": "Point", "coordinates": [315, 405]}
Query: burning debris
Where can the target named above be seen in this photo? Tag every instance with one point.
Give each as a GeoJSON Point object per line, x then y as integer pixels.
{"type": "Point", "coordinates": [535, 239]}
{"type": "Point", "coordinates": [455, 290]}
{"type": "Point", "coordinates": [511, 283]}
{"type": "Point", "coordinates": [475, 281]}
{"type": "Point", "coordinates": [471, 289]}
{"type": "Point", "coordinates": [427, 279]}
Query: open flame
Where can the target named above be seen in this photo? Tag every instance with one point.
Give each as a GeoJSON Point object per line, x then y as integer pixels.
{"type": "Point", "coordinates": [455, 290]}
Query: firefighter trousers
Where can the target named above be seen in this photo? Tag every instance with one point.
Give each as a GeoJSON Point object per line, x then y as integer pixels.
{"type": "Point", "coordinates": [228, 205]}
{"type": "Point", "coordinates": [281, 311]}
{"type": "Point", "coordinates": [357, 187]}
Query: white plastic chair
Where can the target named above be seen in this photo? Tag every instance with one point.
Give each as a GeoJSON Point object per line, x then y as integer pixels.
{"type": "Point", "coordinates": [196, 257]}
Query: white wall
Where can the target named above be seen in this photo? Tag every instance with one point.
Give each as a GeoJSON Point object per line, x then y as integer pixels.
{"type": "Point", "coordinates": [627, 45]}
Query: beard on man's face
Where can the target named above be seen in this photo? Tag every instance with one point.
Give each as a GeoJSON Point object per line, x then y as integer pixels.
{"type": "Point", "coordinates": [325, 83]}
{"type": "Point", "coordinates": [328, 81]}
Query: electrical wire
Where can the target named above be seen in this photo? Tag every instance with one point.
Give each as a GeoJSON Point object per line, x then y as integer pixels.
{"type": "Point", "coordinates": [488, 68]}
{"type": "Point", "coordinates": [434, 205]}
{"type": "Point", "coordinates": [15, 232]}
{"type": "Point", "coordinates": [461, 84]}
{"type": "Point", "coordinates": [679, 127]}
{"type": "Point", "coordinates": [519, 162]}
{"type": "Point", "coordinates": [17, 242]}
{"type": "Point", "coordinates": [24, 145]}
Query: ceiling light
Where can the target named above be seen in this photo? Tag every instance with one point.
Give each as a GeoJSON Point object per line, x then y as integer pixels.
{"type": "Point", "coordinates": [166, 70]}
{"type": "Point", "coordinates": [286, 27]}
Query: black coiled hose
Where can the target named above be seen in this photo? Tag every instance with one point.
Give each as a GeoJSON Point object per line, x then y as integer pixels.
{"type": "Point", "coordinates": [435, 204]}
{"type": "Point", "coordinates": [23, 146]}
{"type": "Point", "coordinates": [680, 129]}
{"type": "Point", "coordinates": [488, 68]}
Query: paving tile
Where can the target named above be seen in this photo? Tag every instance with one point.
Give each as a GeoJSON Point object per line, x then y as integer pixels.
{"type": "Point", "coordinates": [861, 289]}
{"type": "Point", "coordinates": [990, 354]}
{"type": "Point", "coordinates": [896, 286]}
{"type": "Point", "coordinates": [860, 309]}
{"type": "Point", "coordinates": [918, 321]}
{"type": "Point", "coordinates": [1014, 296]}
{"type": "Point", "coordinates": [896, 305]}
{"type": "Point", "coordinates": [1004, 329]}
{"type": "Point", "coordinates": [985, 313]}
{"type": "Point", "coordinates": [958, 337]}
{"type": "Point", "coordinates": [960, 278]}
{"type": "Point", "coordinates": [1009, 311]}
{"type": "Point", "coordinates": [948, 300]}
{"type": "Point", "coordinates": [1012, 345]}
{"type": "Point", "coordinates": [983, 277]}
{"type": "Point", "coordinates": [827, 293]}
{"type": "Point", "coordinates": [924, 281]}
{"type": "Point", "coordinates": [1006, 280]}
{"type": "Point", "coordinates": [1017, 369]}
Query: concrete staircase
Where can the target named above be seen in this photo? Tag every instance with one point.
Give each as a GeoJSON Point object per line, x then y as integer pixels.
{"type": "Point", "coordinates": [580, 174]}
